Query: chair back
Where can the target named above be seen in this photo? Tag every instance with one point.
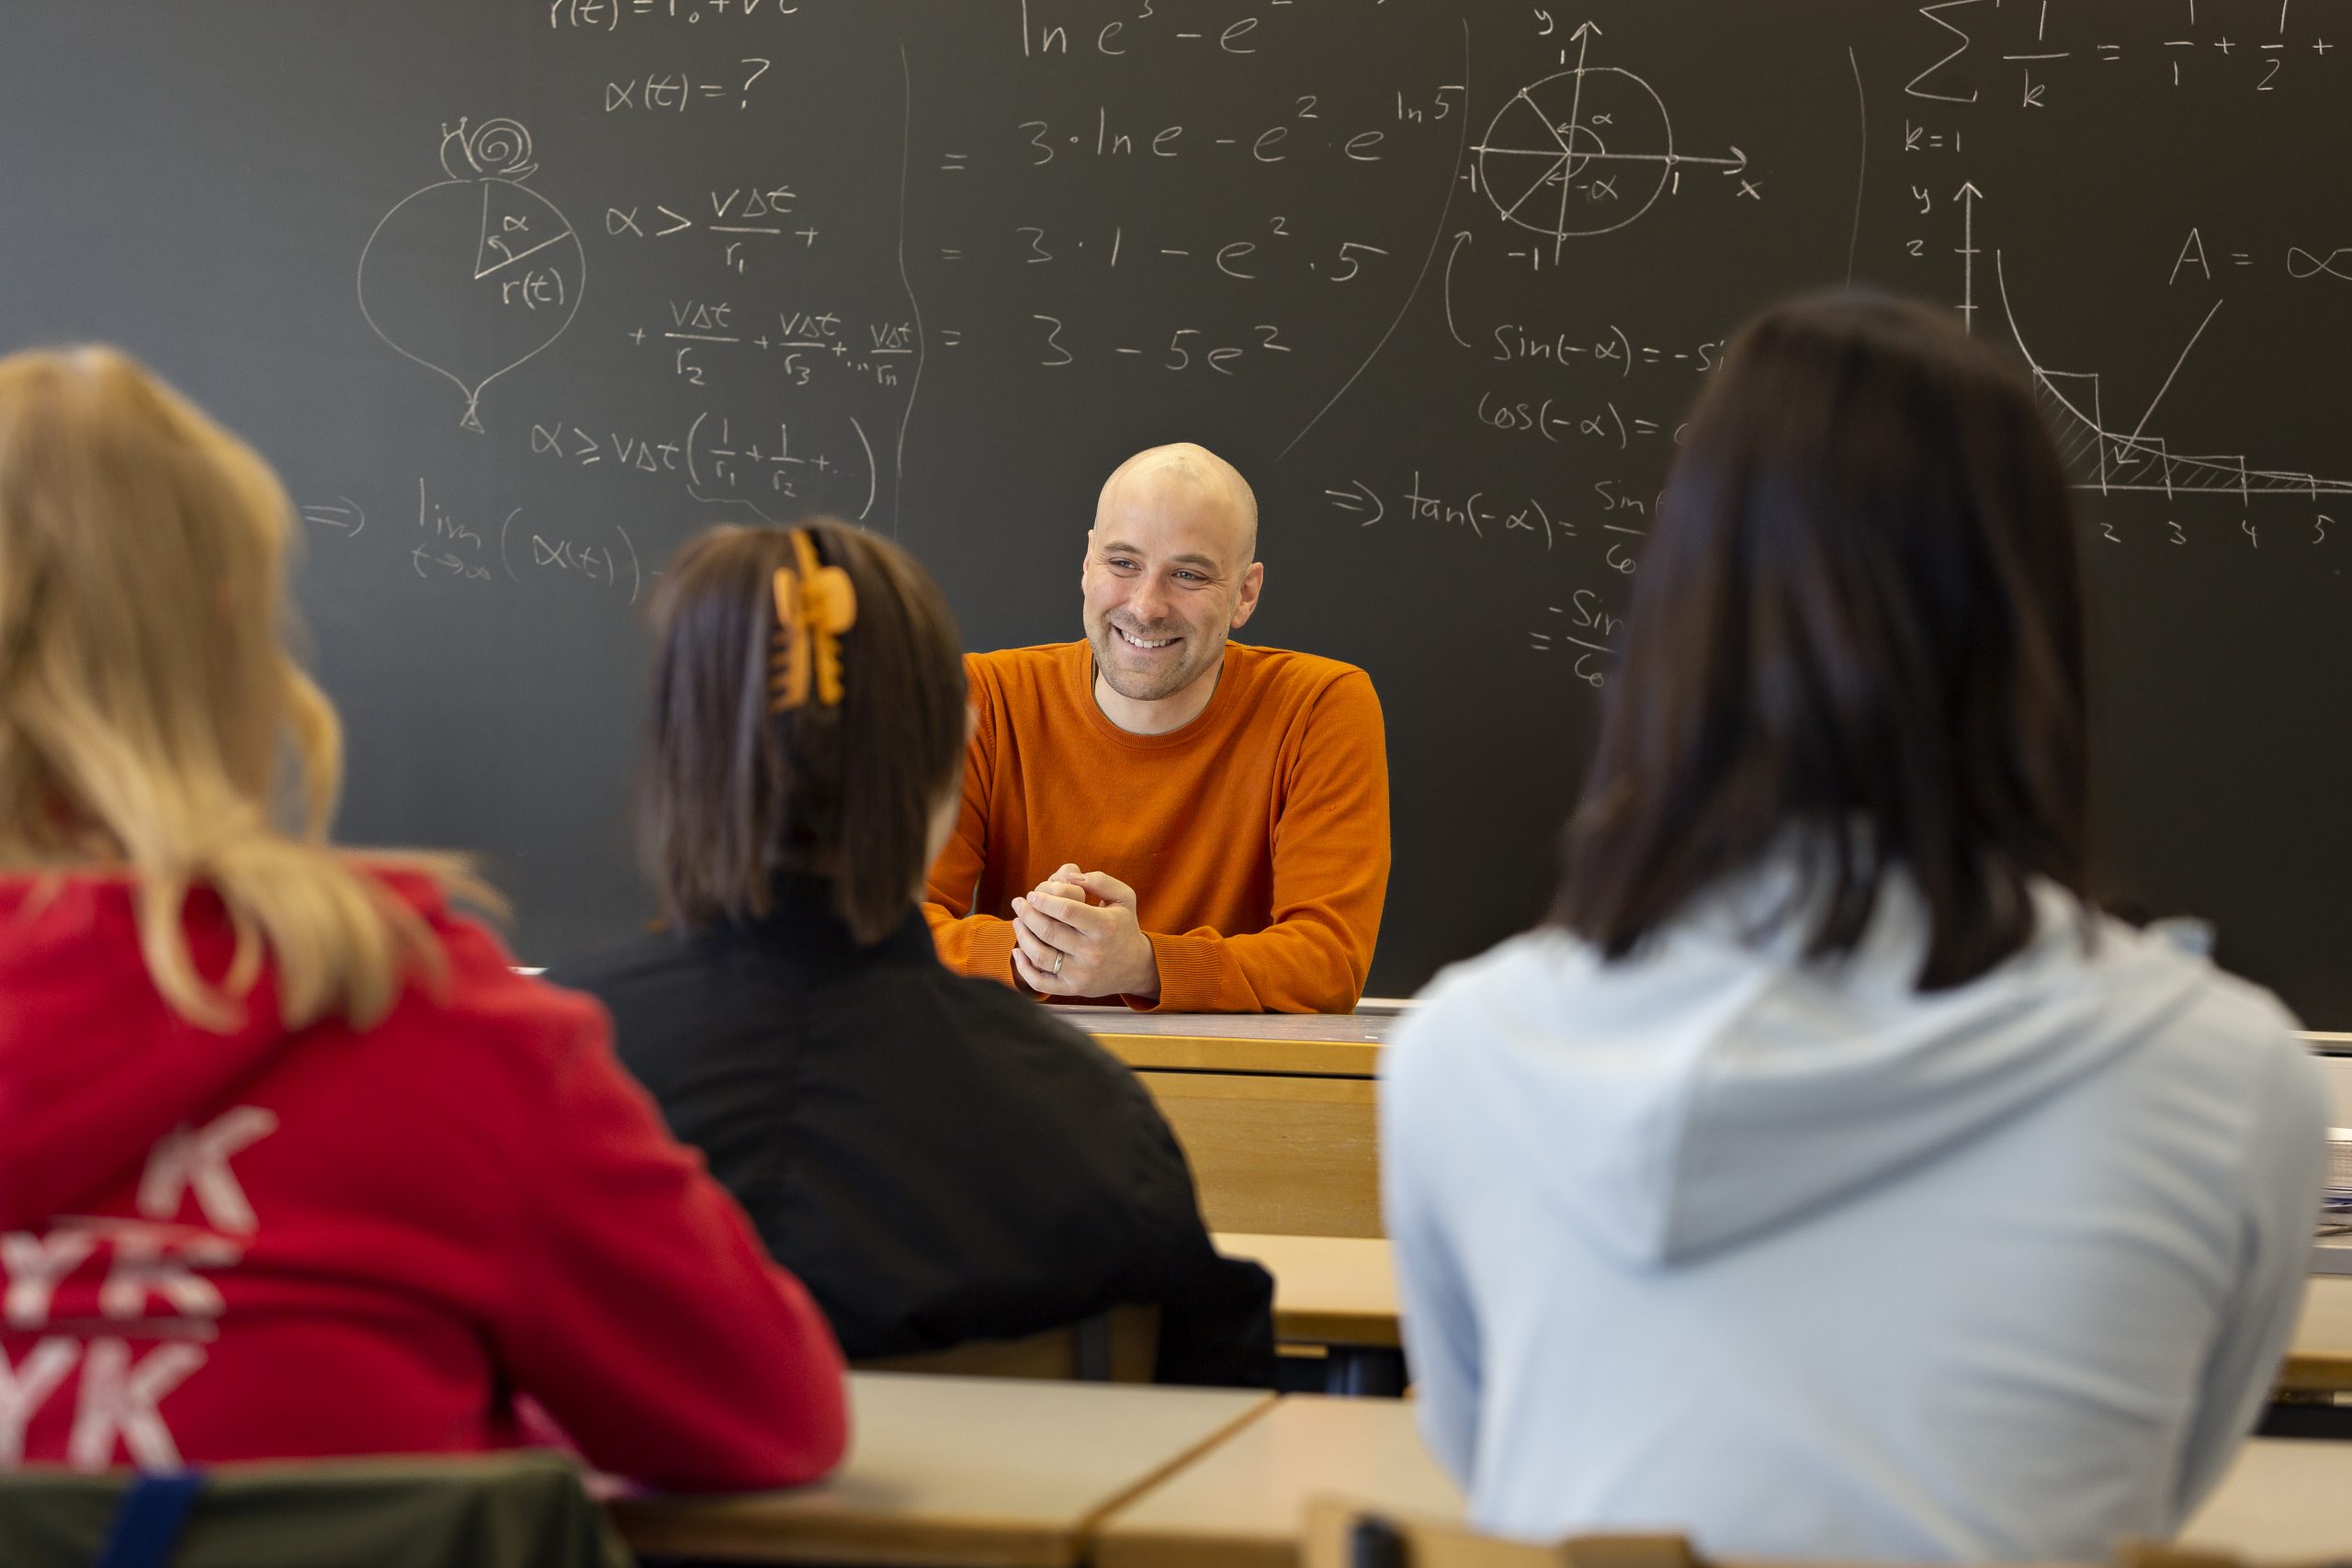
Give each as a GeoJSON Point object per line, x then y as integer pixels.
{"type": "Point", "coordinates": [1341, 1534]}
{"type": "Point", "coordinates": [517, 1510]}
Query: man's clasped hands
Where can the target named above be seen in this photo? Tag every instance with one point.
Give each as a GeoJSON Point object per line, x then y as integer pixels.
{"type": "Point", "coordinates": [1075, 935]}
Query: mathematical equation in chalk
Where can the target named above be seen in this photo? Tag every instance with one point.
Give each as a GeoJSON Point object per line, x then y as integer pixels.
{"type": "Point", "coordinates": [1188, 349]}
{"type": "Point", "coordinates": [605, 16]}
{"type": "Point", "coordinates": [1621, 513]}
{"type": "Point", "coordinates": [1067, 248]}
{"type": "Point", "coordinates": [2236, 48]}
{"type": "Point", "coordinates": [672, 92]}
{"type": "Point", "coordinates": [456, 543]}
{"type": "Point", "coordinates": [710, 453]}
{"type": "Point", "coordinates": [1560, 423]}
{"type": "Point", "coordinates": [2320, 263]}
{"type": "Point", "coordinates": [741, 222]}
{"type": "Point", "coordinates": [804, 342]}
{"type": "Point", "coordinates": [1613, 351]}
{"type": "Point", "coordinates": [1580, 633]}
{"type": "Point", "coordinates": [1047, 142]}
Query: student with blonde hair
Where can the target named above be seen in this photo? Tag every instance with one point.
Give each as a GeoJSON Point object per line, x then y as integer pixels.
{"type": "Point", "coordinates": [937, 1157]}
{"type": "Point", "coordinates": [291, 1162]}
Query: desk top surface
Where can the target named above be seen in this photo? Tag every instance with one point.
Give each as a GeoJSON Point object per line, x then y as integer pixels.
{"type": "Point", "coordinates": [968, 1470]}
{"type": "Point", "coordinates": [1333, 1044]}
{"type": "Point", "coordinates": [2282, 1499]}
{"type": "Point", "coordinates": [1342, 1291]}
{"type": "Point", "coordinates": [1333, 1290]}
{"type": "Point", "coordinates": [1355, 1029]}
{"type": "Point", "coordinates": [1242, 1501]}
{"type": "Point", "coordinates": [2320, 1355]}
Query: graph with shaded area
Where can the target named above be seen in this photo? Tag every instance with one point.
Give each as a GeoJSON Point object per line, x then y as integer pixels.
{"type": "Point", "coordinates": [2102, 455]}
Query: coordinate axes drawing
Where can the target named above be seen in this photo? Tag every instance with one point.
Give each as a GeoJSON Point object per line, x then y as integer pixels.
{"type": "Point", "coordinates": [1598, 138]}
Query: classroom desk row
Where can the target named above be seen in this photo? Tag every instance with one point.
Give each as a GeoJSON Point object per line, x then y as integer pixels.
{"type": "Point", "coordinates": [1340, 1293]}
{"type": "Point", "coordinates": [1020, 1474]}
{"type": "Point", "coordinates": [1279, 1114]}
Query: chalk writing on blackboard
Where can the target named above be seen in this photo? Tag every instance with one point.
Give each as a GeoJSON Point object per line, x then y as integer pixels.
{"type": "Point", "coordinates": [343, 515]}
{"type": "Point", "coordinates": [1595, 137]}
{"type": "Point", "coordinates": [474, 274]}
{"type": "Point", "coordinates": [605, 16]}
{"type": "Point", "coordinates": [2102, 457]}
{"type": "Point", "coordinates": [671, 92]}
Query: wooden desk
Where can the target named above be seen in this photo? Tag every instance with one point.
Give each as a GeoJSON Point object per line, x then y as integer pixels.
{"type": "Point", "coordinates": [2319, 1359]}
{"type": "Point", "coordinates": [1342, 1293]}
{"type": "Point", "coordinates": [1241, 1503]}
{"type": "Point", "coordinates": [1277, 1113]}
{"type": "Point", "coordinates": [1328, 1290]}
{"type": "Point", "coordinates": [1339, 1292]}
{"type": "Point", "coordinates": [1323, 1044]}
{"type": "Point", "coordinates": [957, 1471]}
{"type": "Point", "coordinates": [2282, 1500]}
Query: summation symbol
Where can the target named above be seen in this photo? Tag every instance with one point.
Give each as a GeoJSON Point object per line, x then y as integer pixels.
{"type": "Point", "coordinates": [1584, 151]}
{"type": "Point", "coordinates": [473, 274]}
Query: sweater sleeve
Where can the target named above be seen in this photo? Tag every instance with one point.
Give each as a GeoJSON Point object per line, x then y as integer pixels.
{"type": "Point", "coordinates": [1331, 879]}
{"type": "Point", "coordinates": [644, 1316]}
{"type": "Point", "coordinates": [978, 945]}
{"type": "Point", "coordinates": [2286, 1174]}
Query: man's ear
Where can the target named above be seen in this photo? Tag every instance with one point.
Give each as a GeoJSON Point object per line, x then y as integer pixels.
{"type": "Point", "coordinates": [1252, 581]}
{"type": "Point", "coordinates": [1086, 559]}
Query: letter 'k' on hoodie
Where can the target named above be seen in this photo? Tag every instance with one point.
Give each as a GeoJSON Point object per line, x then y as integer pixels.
{"type": "Point", "coordinates": [1804, 1262]}
{"type": "Point", "coordinates": [275, 1243]}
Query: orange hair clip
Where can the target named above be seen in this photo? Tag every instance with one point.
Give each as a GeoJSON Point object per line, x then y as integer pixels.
{"type": "Point", "coordinates": [813, 607]}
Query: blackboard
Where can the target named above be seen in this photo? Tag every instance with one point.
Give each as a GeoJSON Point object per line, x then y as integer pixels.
{"type": "Point", "coordinates": [519, 293]}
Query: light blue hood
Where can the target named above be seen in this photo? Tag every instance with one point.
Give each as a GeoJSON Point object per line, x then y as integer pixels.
{"type": "Point", "coordinates": [1712, 1086]}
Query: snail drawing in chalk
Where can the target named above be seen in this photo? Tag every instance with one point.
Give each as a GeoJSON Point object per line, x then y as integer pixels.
{"type": "Point", "coordinates": [474, 274]}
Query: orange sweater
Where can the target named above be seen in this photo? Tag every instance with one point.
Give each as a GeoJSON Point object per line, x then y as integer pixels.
{"type": "Point", "coordinates": [1256, 837]}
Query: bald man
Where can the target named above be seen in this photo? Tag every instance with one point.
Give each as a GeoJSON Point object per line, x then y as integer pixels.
{"type": "Point", "coordinates": [1156, 814]}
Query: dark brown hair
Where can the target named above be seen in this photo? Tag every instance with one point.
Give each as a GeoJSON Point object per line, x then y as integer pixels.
{"type": "Point", "coordinates": [733, 794]}
{"type": "Point", "coordinates": [1858, 629]}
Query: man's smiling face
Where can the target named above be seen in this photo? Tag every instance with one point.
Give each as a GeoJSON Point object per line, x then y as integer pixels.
{"type": "Point", "coordinates": [1167, 576]}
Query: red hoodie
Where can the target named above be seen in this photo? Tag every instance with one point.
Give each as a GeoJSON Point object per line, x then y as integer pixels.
{"type": "Point", "coordinates": [277, 1243]}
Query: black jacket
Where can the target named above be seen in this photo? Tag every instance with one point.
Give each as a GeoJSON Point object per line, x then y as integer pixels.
{"type": "Point", "coordinates": [937, 1158]}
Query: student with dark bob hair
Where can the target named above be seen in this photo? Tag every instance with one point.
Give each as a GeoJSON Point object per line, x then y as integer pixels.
{"type": "Point", "coordinates": [938, 1158]}
{"type": "Point", "coordinates": [1827, 1177]}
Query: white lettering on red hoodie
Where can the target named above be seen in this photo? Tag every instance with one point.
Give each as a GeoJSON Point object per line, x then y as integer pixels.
{"type": "Point", "coordinates": [274, 1243]}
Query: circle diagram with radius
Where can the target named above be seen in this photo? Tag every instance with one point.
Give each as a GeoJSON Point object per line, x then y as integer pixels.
{"type": "Point", "coordinates": [475, 274]}
{"type": "Point", "coordinates": [1583, 151]}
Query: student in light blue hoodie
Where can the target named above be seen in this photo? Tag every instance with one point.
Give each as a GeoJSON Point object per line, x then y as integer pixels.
{"type": "Point", "coordinates": [1826, 1179]}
